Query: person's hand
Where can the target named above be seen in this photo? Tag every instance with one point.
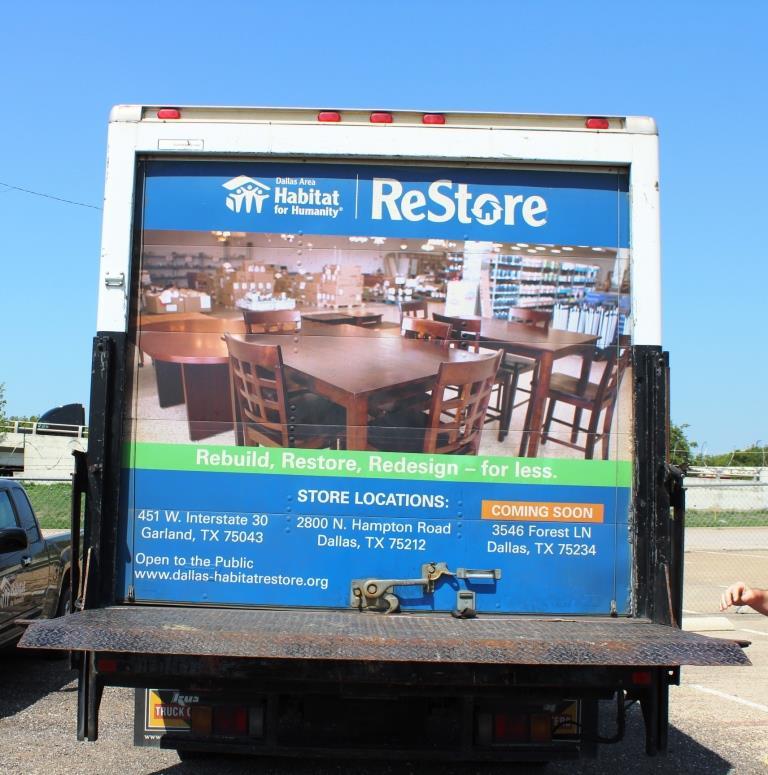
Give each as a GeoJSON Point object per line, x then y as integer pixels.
{"type": "Point", "coordinates": [734, 595]}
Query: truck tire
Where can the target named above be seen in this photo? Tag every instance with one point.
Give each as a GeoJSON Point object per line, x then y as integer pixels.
{"type": "Point", "coordinates": [62, 609]}
{"type": "Point", "coordinates": [185, 755]}
{"type": "Point", "coordinates": [65, 600]}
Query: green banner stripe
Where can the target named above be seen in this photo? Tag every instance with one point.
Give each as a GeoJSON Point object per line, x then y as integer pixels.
{"type": "Point", "coordinates": [378, 465]}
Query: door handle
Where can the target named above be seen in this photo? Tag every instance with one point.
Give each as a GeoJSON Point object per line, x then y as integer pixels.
{"type": "Point", "coordinates": [471, 574]}
{"type": "Point", "coordinates": [26, 562]}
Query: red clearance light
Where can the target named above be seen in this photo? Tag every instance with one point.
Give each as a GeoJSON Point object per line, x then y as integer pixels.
{"type": "Point", "coordinates": [433, 118]}
{"type": "Point", "coordinates": [381, 118]}
{"type": "Point", "coordinates": [597, 123]}
{"type": "Point", "coordinates": [106, 665]}
{"type": "Point", "coordinates": [329, 115]}
{"type": "Point", "coordinates": [169, 113]}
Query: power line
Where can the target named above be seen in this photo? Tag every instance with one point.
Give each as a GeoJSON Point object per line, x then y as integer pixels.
{"type": "Point", "coordinates": [49, 196]}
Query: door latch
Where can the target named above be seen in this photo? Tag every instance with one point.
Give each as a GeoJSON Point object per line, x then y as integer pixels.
{"type": "Point", "coordinates": [378, 594]}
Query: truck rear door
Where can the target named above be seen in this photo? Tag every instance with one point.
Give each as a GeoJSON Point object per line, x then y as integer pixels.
{"type": "Point", "coordinates": [354, 507]}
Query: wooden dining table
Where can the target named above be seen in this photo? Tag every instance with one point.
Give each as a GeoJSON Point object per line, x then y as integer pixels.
{"type": "Point", "coordinates": [544, 346]}
{"type": "Point", "coordinates": [348, 373]}
{"type": "Point", "coordinates": [335, 318]}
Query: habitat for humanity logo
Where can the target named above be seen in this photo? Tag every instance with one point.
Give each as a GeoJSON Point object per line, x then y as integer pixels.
{"type": "Point", "coordinates": [291, 196]}
{"type": "Point", "coordinates": [246, 192]}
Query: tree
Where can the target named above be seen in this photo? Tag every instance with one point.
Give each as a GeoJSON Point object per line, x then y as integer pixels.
{"type": "Point", "coordinates": [754, 455]}
{"type": "Point", "coordinates": [680, 447]}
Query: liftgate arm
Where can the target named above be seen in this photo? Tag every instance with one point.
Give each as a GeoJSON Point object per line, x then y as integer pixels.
{"type": "Point", "coordinates": [102, 477]}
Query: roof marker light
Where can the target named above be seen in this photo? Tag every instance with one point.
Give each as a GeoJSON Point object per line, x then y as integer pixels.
{"type": "Point", "coordinates": [597, 123]}
{"type": "Point", "coordinates": [169, 113]}
{"type": "Point", "coordinates": [330, 116]}
{"type": "Point", "coordinates": [433, 118]}
{"type": "Point", "coordinates": [381, 118]}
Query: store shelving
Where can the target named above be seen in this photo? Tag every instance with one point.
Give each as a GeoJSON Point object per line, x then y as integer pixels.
{"type": "Point", "coordinates": [173, 268]}
{"type": "Point", "coordinates": [523, 281]}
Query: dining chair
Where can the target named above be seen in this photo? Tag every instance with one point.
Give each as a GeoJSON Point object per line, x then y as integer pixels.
{"type": "Point", "coordinates": [429, 330]}
{"type": "Point", "coordinates": [451, 421]}
{"type": "Point", "coordinates": [519, 363]}
{"type": "Point", "coordinates": [532, 317]}
{"type": "Point", "coordinates": [266, 412]}
{"type": "Point", "coordinates": [598, 398]}
{"type": "Point", "coordinates": [413, 309]}
{"type": "Point", "coordinates": [466, 333]}
{"type": "Point", "coordinates": [411, 328]}
{"type": "Point", "coordinates": [273, 321]}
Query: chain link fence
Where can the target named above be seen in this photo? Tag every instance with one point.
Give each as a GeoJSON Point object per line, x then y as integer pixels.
{"type": "Point", "coordinates": [50, 498]}
{"type": "Point", "coordinates": [730, 497]}
{"type": "Point", "coordinates": [726, 536]}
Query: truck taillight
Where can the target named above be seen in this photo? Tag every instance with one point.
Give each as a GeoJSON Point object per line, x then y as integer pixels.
{"type": "Point", "coordinates": [541, 728]}
{"type": "Point", "coordinates": [510, 727]}
{"type": "Point", "coordinates": [381, 118]}
{"type": "Point", "coordinates": [230, 721]}
{"type": "Point", "coordinates": [169, 113]}
{"type": "Point", "coordinates": [433, 118]}
{"type": "Point", "coordinates": [597, 123]}
{"type": "Point", "coordinates": [227, 720]}
{"type": "Point", "coordinates": [201, 720]}
{"type": "Point", "coordinates": [330, 116]}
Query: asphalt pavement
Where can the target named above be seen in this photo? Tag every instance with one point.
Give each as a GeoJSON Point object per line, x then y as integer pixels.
{"type": "Point", "coordinates": [717, 715]}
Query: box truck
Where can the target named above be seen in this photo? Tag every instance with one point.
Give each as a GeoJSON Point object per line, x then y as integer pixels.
{"type": "Point", "coordinates": [377, 460]}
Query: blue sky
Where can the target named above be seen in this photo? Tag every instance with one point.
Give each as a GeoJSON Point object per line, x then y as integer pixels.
{"type": "Point", "coordinates": [698, 67]}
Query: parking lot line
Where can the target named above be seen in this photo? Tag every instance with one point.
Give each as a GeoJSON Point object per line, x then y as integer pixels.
{"type": "Point", "coordinates": [725, 696]}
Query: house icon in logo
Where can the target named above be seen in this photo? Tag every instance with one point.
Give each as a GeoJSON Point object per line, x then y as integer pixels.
{"type": "Point", "coordinates": [487, 209]}
{"type": "Point", "coordinates": [245, 191]}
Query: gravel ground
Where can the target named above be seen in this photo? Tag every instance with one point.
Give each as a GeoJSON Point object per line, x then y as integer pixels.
{"type": "Point", "coordinates": [717, 717]}
{"type": "Point", "coordinates": [711, 733]}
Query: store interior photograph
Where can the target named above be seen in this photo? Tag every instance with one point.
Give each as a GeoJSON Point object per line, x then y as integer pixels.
{"type": "Point", "coordinates": [355, 371]}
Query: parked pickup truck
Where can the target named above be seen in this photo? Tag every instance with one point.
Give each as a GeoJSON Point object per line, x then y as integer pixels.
{"type": "Point", "coordinates": [34, 571]}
